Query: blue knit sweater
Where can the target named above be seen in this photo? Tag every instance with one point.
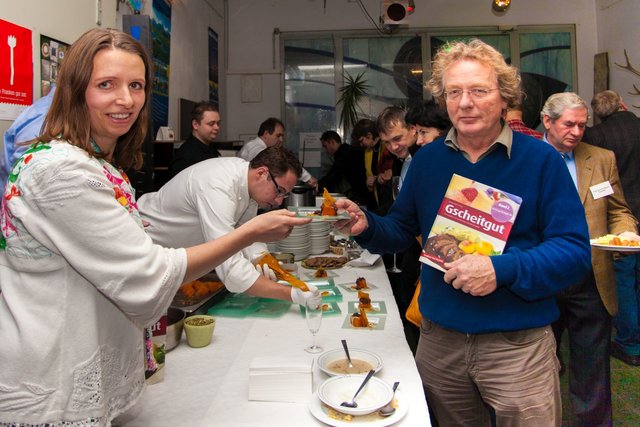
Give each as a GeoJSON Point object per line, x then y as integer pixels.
{"type": "Point", "coordinates": [548, 248]}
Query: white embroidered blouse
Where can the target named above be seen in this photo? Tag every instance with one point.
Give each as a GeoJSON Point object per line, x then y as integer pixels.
{"type": "Point", "coordinates": [79, 280]}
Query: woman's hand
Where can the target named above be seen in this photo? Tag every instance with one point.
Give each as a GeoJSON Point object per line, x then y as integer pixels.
{"type": "Point", "coordinates": [358, 222]}
{"type": "Point", "coordinates": [274, 225]}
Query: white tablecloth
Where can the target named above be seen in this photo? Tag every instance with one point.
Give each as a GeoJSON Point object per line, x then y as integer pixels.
{"type": "Point", "coordinates": [209, 386]}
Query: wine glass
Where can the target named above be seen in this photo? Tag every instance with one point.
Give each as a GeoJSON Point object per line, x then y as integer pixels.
{"type": "Point", "coordinates": [395, 189]}
{"type": "Point", "coordinates": [313, 314]}
{"type": "Point", "coordinates": [396, 183]}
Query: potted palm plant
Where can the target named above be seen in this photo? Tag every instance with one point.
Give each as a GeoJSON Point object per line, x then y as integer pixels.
{"type": "Point", "coordinates": [353, 90]}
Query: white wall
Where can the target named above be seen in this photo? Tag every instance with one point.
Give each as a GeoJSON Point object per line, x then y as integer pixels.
{"type": "Point", "coordinates": [617, 31]}
{"type": "Point", "coordinates": [189, 73]}
{"type": "Point", "coordinates": [64, 21]}
{"type": "Point", "coordinates": [247, 40]}
{"type": "Point", "coordinates": [251, 24]}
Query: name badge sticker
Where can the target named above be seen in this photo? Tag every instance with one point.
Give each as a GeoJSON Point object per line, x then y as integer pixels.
{"type": "Point", "coordinates": [601, 190]}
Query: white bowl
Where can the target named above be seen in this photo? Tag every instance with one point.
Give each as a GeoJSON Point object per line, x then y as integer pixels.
{"type": "Point", "coordinates": [375, 394]}
{"type": "Point", "coordinates": [329, 357]}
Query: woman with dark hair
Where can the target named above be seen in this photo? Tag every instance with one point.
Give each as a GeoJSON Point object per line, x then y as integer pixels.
{"type": "Point", "coordinates": [431, 121]}
{"type": "Point", "coordinates": [80, 278]}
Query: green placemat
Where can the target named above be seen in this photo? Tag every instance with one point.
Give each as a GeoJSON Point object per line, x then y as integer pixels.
{"type": "Point", "coordinates": [236, 305]}
{"type": "Point", "coordinates": [270, 308]}
{"type": "Point", "coordinates": [330, 293]}
{"type": "Point", "coordinates": [331, 309]}
{"type": "Point", "coordinates": [377, 307]}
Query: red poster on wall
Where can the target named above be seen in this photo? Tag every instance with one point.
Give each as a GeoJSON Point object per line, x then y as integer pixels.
{"type": "Point", "coordinates": [16, 64]}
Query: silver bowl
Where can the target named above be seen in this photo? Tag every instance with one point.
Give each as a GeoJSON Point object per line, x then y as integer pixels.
{"type": "Point", "coordinates": [175, 320]}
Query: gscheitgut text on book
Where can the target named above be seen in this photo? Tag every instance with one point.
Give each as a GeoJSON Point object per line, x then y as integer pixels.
{"type": "Point", "coordinates": [473, 218]}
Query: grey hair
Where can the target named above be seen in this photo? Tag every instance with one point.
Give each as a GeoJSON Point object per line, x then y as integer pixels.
{"type": "Point", "coordinates": [509, 80]}
{"type": "Point", "coordinates": [557, 103]}
{"type": "Point", "coordinates": [606, 103]}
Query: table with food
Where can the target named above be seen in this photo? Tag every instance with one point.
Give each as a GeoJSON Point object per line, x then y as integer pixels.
{"type": "Point", "coordinates": [256, 371]}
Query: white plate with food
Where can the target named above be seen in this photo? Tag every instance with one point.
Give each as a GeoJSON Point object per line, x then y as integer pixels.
{"type": "Point", "coordinates": [615, 243]}
{"type": "Point", "coordinates": [314, 214]}
{"type": "Point", "coordinates": [334, 362]}
{"type": "Point", "coordinates": [328, 416]}
{"type": "Point", "coordinates": [324, 274]}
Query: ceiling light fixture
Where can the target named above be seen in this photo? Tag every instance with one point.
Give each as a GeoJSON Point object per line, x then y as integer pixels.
{"type": "Point", "coordinates": [501, 5]}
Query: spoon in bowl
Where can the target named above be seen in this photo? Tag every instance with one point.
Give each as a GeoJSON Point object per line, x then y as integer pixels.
{"type": "Point", "coordinates": [388, 410]}
{"type": "Point", "coordinates": [352, 403]}
{"type": "Point", "coordinates": [346, 350]}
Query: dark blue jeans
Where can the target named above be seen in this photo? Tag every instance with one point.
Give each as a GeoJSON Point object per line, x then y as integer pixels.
{"type": "Point", "coordinates": [627, 321]}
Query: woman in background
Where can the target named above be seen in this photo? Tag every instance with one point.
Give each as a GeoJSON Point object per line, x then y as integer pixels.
{"type": "Point", "coordinates": [431, 121]}
{"type": "Point", "coordinates": [79, 276]}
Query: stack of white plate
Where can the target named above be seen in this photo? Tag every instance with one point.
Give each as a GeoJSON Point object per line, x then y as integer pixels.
{"type": "Point", "coordinates": [319, 236]}
{"type": "Point", "coordinates": [297, 243]}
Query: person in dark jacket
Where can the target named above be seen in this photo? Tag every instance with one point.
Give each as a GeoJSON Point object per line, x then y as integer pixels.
{"type": "Point", "coordinates": [205, 125]}
{"type": "Point", "coordinates": [620, 133]}
{"type": "Point", "coordinates": [379, 164]}
{"type": "Point", "coordinates": [345, 175]}
{"type": "Point", "coordinates": [486, 340]}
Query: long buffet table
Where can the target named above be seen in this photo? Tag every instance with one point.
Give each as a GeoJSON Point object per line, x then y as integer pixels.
{"type": "Point", "coordinates": [209, 386]}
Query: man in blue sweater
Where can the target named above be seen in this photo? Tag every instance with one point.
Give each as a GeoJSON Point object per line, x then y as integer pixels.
{"type": "Point", "coordinates": [485, 336]}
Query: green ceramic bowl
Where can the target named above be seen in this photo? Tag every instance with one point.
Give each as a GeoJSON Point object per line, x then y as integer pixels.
{"type": "Point", "coordinates": [199, 329]}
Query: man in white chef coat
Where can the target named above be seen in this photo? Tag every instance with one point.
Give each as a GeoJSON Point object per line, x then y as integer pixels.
{"type": "Point", "coordinates": [211, 198]}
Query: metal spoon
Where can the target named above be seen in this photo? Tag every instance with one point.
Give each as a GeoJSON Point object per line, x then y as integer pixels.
{"type": "Point", "coordinates": [346, 350]}
{"type": "Point", "coordinates": [352, 403]}
{"type": "Point", "coordinates": [388, 410]}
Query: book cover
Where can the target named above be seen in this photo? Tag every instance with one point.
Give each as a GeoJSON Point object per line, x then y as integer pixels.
{"type": "Point", "coordinates": [473, 218]}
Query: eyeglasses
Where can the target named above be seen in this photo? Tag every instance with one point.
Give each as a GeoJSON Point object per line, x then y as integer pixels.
{"type": "Point", "coordinates": [475, 93]}
{"type": "Point", "coordinates": [280, 192]}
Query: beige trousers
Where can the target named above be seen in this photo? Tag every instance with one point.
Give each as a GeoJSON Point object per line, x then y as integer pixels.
{"type": "Point", "coordinates": [515, 373]}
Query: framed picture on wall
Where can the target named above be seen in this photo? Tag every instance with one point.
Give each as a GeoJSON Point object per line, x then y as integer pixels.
{"type": "Point", "coordinates": [600, 76]}
{"type": "Point", "coordinates": [214, 85]}
{"type": "Point", "coordinates": [600, 72]}
{"type": "Point", "coordinates": [52, 53]}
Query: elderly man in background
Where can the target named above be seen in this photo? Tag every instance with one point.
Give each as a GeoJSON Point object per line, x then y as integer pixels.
{"type": "Point", "coordinates": [486, 337]}
{"type": "Point", "coordinates": [270, 134]}
{"type": "Point", "coordinates": [205, 125]}
{"type": "Point", "coordinates": [587, 306]}
{"type": "Point", "coordinates": [619, 131]}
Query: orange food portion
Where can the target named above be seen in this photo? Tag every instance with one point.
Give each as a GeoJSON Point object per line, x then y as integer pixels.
{"type": "Point", "coordinates": [281, 273]}
{"type": "Point", "coordinates": [360, 320]}
{"type": "Point", "coordinates": [198, 288]}
{"type": "Point", "coordinates": [320, 273]}
{"type": "Point", "coordinates": [364, 300]}
{"type": "Point", "coordinates": [361, 283]}
{"type": "Point", "coordinates": [618, 241]}
{"type": "Point", "coordinates": [328, 207]}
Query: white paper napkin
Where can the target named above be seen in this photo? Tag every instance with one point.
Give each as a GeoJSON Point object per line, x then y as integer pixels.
{"type": "Point", "coordinates": [366, 259]}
